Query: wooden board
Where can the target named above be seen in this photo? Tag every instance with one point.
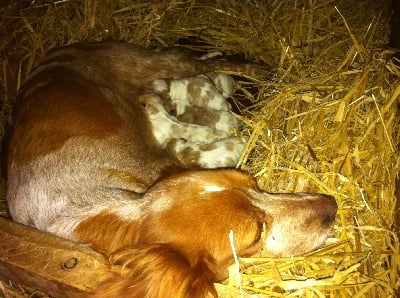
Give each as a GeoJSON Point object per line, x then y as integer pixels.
{"type": "Point", "coordinates": [50, 264]}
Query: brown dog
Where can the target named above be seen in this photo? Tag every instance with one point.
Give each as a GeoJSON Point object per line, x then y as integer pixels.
{"type": "Point", "coordinates": [84, 164]}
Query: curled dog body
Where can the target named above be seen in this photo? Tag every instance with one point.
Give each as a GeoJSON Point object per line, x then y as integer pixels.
{"type": "Point", "coordinates": [84, 163]}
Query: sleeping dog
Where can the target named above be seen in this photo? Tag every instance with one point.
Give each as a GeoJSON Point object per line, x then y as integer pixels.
{"type": "Point", "coordinates": [100, 153]}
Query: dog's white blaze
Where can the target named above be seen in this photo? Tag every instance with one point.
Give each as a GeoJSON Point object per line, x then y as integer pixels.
{"type": "Point", "coordinates": [213, 188]}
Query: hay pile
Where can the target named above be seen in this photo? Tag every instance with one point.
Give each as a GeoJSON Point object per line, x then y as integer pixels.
{"type": "Point", "coordinates": [328, 121]}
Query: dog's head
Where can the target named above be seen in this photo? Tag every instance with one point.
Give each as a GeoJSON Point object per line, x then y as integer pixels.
{"type": "Point", "coordinates": [193, 212]}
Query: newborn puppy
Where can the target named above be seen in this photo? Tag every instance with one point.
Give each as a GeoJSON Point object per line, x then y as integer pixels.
{"type": "Point", "coordinates": [193, 119]}
{"type": "Point", "coordinates": [201, 100]}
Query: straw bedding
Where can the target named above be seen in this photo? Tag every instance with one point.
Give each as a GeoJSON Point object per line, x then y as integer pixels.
{"type": "Point", "coordinates": [326, 120]}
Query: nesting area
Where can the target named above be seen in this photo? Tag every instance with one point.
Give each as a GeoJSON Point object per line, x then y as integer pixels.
{"type": "Point", "coordinates": [325, 119]}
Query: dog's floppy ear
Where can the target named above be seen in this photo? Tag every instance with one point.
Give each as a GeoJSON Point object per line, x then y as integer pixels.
{"type": "Point", "coordinates": [160, 265]}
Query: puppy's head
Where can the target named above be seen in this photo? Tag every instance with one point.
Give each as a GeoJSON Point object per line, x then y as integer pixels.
{"type": "Point", "coordinates": [194, 211]}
